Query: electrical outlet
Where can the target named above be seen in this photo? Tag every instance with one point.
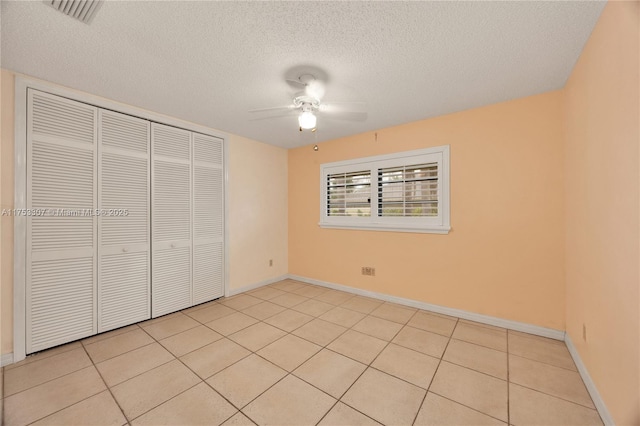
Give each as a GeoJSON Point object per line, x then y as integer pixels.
{"type": "Point", "coordinates": [584, 332]}
{"type": "Point", "coordinates": [270, 262]}
{"type": "Point", "coordinates": [368, 270]}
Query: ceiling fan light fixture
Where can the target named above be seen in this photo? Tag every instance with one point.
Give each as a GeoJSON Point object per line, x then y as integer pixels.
{"type": "Point", "coordinates": [307, 120]}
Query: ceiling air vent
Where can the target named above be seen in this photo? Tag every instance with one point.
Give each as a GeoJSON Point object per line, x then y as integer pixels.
{"type": "Point", "coordinates": [82, 10]}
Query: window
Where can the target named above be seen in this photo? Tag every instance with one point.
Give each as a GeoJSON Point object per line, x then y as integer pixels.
{"type": "Point", "coordinates": [406, 191]}
{"type": "Point", "coordinates": [349, 194]}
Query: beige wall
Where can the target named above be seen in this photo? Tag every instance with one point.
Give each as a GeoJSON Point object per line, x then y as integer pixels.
{"type": "Point", "coordinates": [602, 195]}
{"type": "Point", "coordinates": [258, 223]}
{"type": "Point", "coordinates": [257, 211]}
{"type": "Point", "coordinates": [504, 255]}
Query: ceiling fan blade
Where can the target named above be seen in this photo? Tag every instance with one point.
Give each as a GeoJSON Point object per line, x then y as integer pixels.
{"type": "Point", "coordinates": [274, 109]}
{"type": "Point", "coordinates": [336, 107]}
{"type": "Point", "coordinates": [274, 114]}
{"type": "Point", "coordinates": [345, 116]}
{"type": "Point", "coordinates": [347, 111]}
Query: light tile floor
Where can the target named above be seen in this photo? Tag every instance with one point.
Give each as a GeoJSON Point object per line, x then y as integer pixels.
{"type": "Point", "coordinates": [297, 354]}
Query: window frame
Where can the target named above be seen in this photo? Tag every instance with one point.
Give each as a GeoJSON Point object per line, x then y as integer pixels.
{"type": "Point", "coordinates": [439, 224]}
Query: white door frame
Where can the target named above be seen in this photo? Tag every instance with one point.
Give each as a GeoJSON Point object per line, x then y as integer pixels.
{"type": "Point", "coordinates": [23, 83]}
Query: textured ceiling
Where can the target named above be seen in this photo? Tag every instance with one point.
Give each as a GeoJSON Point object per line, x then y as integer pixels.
{"type": "Point", "coordinates": [210, 62]}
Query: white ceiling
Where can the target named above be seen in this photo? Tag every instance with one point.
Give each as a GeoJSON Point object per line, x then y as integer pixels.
{"type": "Point", "coordinates": [210, 62]}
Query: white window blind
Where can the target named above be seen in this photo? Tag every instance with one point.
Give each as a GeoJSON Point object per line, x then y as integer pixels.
{"type": "Point", "coordinates": [405, 191]}
{"type": "Point", "coordinates": [408, 191]}
{"type": "Point", "coordinates": [349, 194]}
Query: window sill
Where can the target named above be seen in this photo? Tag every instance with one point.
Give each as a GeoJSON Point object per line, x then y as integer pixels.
{"type": "Point", "coordinates": [388, 228]}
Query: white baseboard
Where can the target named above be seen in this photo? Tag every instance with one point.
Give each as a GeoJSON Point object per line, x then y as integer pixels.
{"type": "Point", "coordinates": [249, 287]}
{"type": "Point", "coordinates": [471, 316]}
{"type": "Point", "coordinates": [588, 382]}
{"type": "Point", "coordinates": [6, 359]}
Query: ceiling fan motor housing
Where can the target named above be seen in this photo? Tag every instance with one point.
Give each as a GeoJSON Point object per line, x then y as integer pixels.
{"type": "Point", "coordinates": [307, 103]}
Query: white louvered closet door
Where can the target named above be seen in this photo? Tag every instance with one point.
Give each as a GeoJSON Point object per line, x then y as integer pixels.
{"type": "Point", "coordinates": [124, 262]}
{"type": "Point", "coordinates": [170, 219]}
{"type": "Point", "coordinates": [208, 218]}
{"type": "Point", "coordinates": [61, 250]}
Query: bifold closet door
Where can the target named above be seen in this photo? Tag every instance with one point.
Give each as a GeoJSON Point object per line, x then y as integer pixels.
{"type": "Point", "coordinates": [61, 231]}
{"type": "Point", "coordinates": [124, 262]}
{"type": "Point", "coordinates": [208, 218]}
{"type": "Point", "coordinates": [170, 219]}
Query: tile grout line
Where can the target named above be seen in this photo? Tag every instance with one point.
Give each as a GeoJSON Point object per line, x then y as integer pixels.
{"type": "Point", "coordinates": [508, 353]}
{"type": "Point", "coordinates": [557, 397]}
{"type": "Point", "coordinates": [435, 372]}
{"type": "Point", "coordinates": [198, 348]}
{"type": "Point", "coordinates": [545, 363]}
{"type": "Point", "coordinates": [97, 338]}
{"type": "Point", "coordinates": [288, 373]}
{"type": "Point", "coordinates": [291, 373]}
{"type": "Point", "coordinates": [206, 383]}
{"type": "Point", "coordinates": [339, 399]}
{"type": "Point", "coordinates": [383, 349]}
{"type": "Point", "coordinates": [367, 366]}
{"type": "Point", "coordinates": [174, 334]}
{"type": "Point", "coordinates": [285, 331]}
{"type": "Point", "coordinates": [83, 399]}
{"type": "Point", "coordinates": [105, 383]}
{"type": "Point", "coordinates": [260, 394]}
{"type": "Point", "coordinates": [472, 369]}
{"type": "Point", "coordinates": [139, 374]}
{"type": "Point", "coordinates": [292, 308]}
{"type": "Point", "coordinates": [535, 337]}
{"type": "Point", "coordinates": [240, 410]}
{"type": "Point", "coordinates": [201, 380]}
{"type": "Point", "coordinates": [215, 319]}
{"type": "Point", "coordinates": [82, 345]}
{"type": "Point", "coordinates": [466, 406]}
{"type": "Point", "coordinates": [154, 340]}
{"type": "Point", "coordinates": [123, 353]}
{"type": "Point", "coordinates": [164, 402]}
{"type": "Point", "coordinates": [46, 381]}
{"type": "Point", "coordinates": [13, 366]}
{"type": "Point", "coordinates": [477, 344]}
{"type": "Point", "coordinates": [467, 367]}
{"type": "Point", "coordinates": [68, 406]}
{"type": "Point", "coordinates": [221, 318]}
{"type": "Point", "coordinates": [434, 357]}
{"type": "Point", "coordinates": [265, 318]}
{"type": "Point", "coordinates": [328, 411]}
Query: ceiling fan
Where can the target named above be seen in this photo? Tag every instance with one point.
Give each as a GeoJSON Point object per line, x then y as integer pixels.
{"type": "Point", "coordinates": [308, 104]}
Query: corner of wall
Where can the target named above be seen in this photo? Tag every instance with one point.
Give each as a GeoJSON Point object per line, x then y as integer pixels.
{"type": "Point", "coordinates": [258, 212]}
{"type": "Point", "coordinates": [602, 211]}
